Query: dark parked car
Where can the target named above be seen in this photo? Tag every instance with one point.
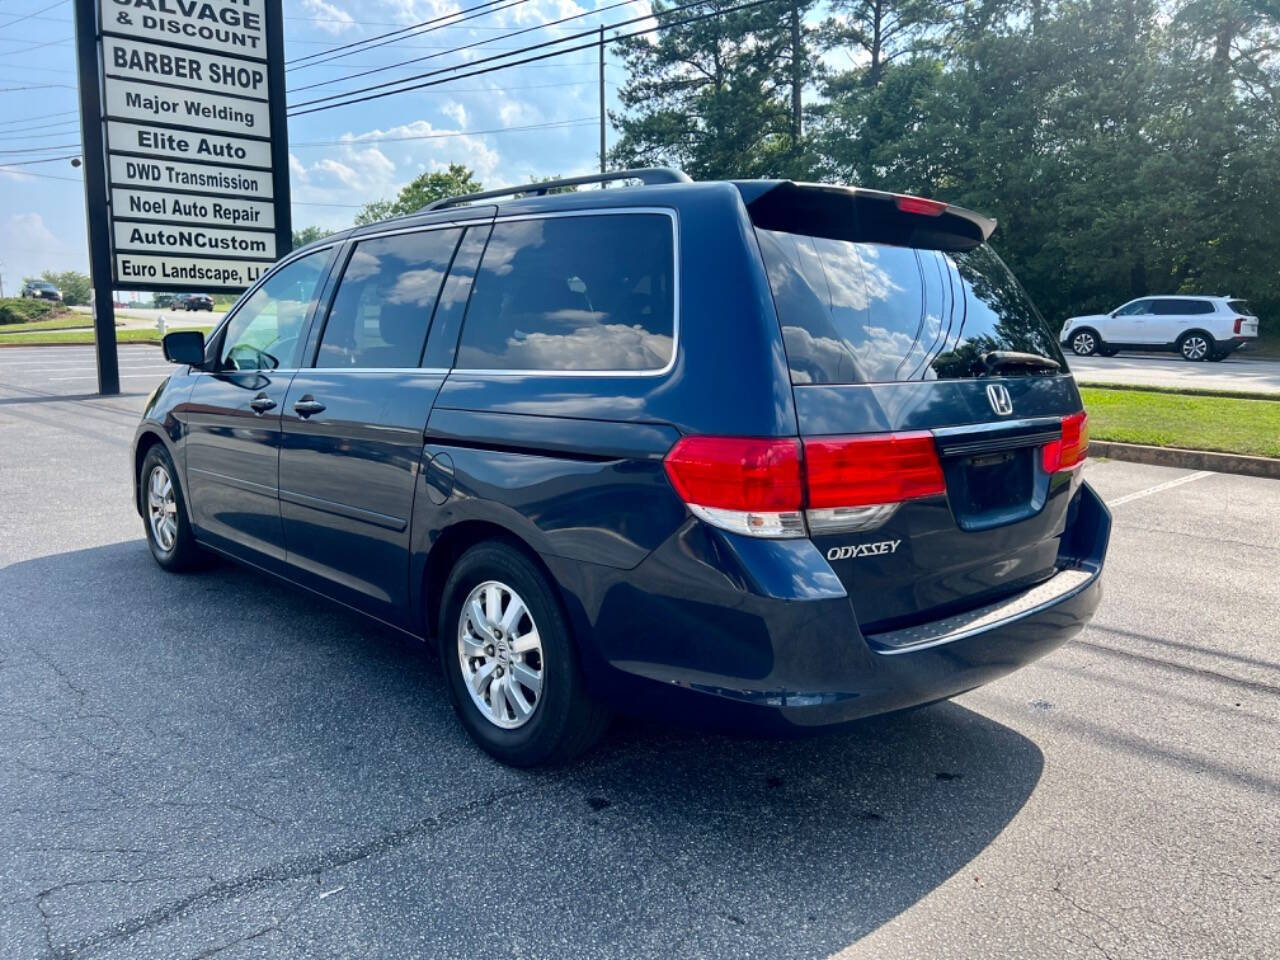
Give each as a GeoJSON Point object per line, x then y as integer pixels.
{"type": "Point", "coordinates": [762, 453]}
{"type": "Point", "coordinates": [193, 301]}
{"type": "Point", "coordinates": [38, 290]}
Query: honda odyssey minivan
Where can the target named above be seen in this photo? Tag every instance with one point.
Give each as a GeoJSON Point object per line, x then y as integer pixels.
{"type": "Point", "coordinates": [761, 453]}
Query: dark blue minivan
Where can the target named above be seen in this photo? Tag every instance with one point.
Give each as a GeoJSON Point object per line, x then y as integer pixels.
{"type": "Point", "coordinates": [762, 453]}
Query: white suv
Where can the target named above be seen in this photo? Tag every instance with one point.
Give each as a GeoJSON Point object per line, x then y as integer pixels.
{"type": "Point", "coordinates": [1199, 328]}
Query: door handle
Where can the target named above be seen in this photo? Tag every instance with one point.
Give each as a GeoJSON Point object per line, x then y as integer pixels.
{"type": "Point", "coordinates": [307, 406]}
{"type": "Point", "coordinates": [261, 404]}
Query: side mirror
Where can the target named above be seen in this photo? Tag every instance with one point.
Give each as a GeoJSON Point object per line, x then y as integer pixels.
{"type": "Point", "coordinates": [184, 346]}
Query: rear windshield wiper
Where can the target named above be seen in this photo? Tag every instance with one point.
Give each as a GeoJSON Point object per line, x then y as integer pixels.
{"type": "Point", "coordinates": [1012, 360]}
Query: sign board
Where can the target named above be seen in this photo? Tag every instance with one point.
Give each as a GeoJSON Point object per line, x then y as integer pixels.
{"type": "Point", "coordinates": [190, 108]}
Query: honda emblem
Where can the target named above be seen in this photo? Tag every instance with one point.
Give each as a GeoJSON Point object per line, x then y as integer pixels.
{"type": "Point", "coordinates": [998, 397]}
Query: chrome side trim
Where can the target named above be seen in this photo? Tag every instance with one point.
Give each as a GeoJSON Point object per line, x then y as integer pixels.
{"type": "Point", "coordinates": [1061, 586]}
{"type": "Point", "coordinates": [430, 371]}
{"type": "Point", "coordinates": [293, 371]}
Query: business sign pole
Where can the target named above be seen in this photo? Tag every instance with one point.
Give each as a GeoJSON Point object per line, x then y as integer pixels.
{"type": "Point", "coordinates": [185, 148]}
{"type": "Point", "coordinates": [93, 153]}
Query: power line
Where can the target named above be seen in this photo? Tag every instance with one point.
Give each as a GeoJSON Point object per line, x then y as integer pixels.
{"type": "Point", "coordinates": [468, 46]}
{"type": "Point", "coordinates": [60, 146]}
{"type": "Point", "coordinates": [42, 116]}
{"type": "Point", "coordinates": [42, 176]}
{"type": "Point", "coordinates": [21, 135]}
{"type": "Point", "coordinates": [38, 46]}
{"type": "Point", "coordinates": [545, 125]}
{"type": "Point", "coordinates": [31, 163]}
{"type": "Point", "coordinates": [33, 13]}
{"type": "Point", "coordinates": [350, 97]}
{"type": "Point", "coordinates": [36, 86]}
{"type": "Point", "coordinates": [369, 43]}
{"type": "Point", "coordinates": [43, 126]}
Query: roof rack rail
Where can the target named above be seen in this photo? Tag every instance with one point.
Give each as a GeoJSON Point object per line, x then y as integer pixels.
{"type": "Point", "coordinates": [647, 176]}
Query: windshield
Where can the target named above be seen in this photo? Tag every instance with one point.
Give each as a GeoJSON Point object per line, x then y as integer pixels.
{"type": "Point", "coordinates": [857, 312]}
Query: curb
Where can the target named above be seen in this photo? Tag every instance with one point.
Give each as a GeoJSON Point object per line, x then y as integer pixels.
{"type": "Point", "coordinates": [1267, 467]}
{"type": "Point", "coordinates": [1182, 391]}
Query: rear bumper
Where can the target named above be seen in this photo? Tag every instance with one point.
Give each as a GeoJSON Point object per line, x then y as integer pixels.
{"type": "Point", "coordinates": [1236, 343]}
{"type": "Point", "coordinates": [730, 652]}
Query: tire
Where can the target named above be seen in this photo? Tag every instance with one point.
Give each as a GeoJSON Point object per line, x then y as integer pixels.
{"type": "Point", "coordinates": [1195, 346]}
{"type": "Point", "coordinates": [172, 543]}
{"type": "Point", "coordinates": [561, 722]}
{"type": "Point", "coordinates": [1085, 342]}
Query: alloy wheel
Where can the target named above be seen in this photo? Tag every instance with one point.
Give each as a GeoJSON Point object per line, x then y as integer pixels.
{"type": "Point", "coordinates": [162, 508]}
{"type": "Point", "coordinates": [1195, 347]}
{"type": "Point", "coordinates": [1083, 344]}
{"type": "Point", "coordinates": [500, 652]}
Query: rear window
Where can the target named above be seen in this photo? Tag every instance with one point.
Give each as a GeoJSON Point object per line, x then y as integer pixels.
{"type": "Point", "coordinates": [1240, 306]}
{"type": "Point", "coordinates": [593, 293]}
{"type": "Point", "coordinates": [1181, 308]}
{"type": "Point", "coordinates": [861, 312]}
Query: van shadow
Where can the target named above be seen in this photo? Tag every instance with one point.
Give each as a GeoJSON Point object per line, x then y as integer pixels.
{"type": "Point", "coordinates": [224, 719]}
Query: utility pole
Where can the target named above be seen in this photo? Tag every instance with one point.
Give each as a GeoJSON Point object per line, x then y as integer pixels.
{"type": "Point", "coordinates": [602, 100]}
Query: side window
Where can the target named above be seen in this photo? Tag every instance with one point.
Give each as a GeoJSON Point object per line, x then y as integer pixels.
{"type": "Point", "coordinates": [1168, 308]}
{"type": "Point", "coordinates": [1199, 306]}
{"type": "Point", "coordinates": [591, 293]}
{"type": "Point", "coordinates": [265, 332]}
{"type": "Point", "coordinates": [1139, 308]}
{"type": "Point", "coordinates": [442, 341]}
{"type": "Point", "coordinates": [384, 302]}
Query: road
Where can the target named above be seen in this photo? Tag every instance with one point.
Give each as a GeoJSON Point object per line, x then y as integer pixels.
{"type": "Point", "coordinates": [133, 318]}
{"type": "Point", "coordinates": [217, 763]}
{"type": "Point", "coordinates": [1238, 372]}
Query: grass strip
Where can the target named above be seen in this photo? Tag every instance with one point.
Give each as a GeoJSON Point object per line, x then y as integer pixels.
{"type": "Point", "coordinates": [40, 338]}
{"type": "Point", "coordinates": [1190, 421]}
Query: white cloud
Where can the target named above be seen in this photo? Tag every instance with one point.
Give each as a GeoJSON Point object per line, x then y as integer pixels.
{"type": "Point", "coordinates": [455, 112]}
{"type": "Point", "coordinates": [31, 247]}
{"type": "Point", "coordinates": [329, 18]}
{"type": "Point", "coordinates": [357, 171]}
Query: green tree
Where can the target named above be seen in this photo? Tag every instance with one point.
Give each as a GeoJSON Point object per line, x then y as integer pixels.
{"type": "Point", "coordinates": [76, 287]}
{"type": "Point", "coordinates": [420, 191]}
{"type": "Point", "coordinates": [719, 97]}
{"type": "Point", "coordinates": [534, 181]}
{"type": "Point", "coordinates": [308, 235]}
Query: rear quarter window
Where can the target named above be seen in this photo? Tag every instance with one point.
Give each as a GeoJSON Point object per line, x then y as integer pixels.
{"type": "Point", "coordinates": [860, 312]}
{"type": "Point", "coordinates": [576, 293]}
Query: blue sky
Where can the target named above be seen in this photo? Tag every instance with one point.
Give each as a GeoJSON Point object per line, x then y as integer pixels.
{"type": "Point", "coordinates": [339, 159]}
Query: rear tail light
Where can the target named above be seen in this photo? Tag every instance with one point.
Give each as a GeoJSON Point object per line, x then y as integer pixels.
{"type": "Point", "coordinates": [1071, 449]}
{"type": "Point", "coordinates": [741, 484]}
{"type": "Point", "coordinates": [1239, 321]}
{"type": "Point", "coordinates": [920, 205]}
{"type": "Point", "coordinates": [763, 487]}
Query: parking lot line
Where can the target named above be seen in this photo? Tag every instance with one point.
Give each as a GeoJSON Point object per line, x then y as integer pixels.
{"type": "Point", "coordinates": [1160, 487]}
{"type": "Point", "coordinates": [123, 376]}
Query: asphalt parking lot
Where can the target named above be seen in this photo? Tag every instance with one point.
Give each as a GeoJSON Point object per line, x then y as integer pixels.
{"type": "Point", "coordinates": [215, 764]}
{"type": "Point", "coordinates": [1237, 372]}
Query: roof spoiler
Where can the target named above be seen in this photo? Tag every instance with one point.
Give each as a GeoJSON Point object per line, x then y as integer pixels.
{"type": "Point", "coordinates": [856, 213]}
